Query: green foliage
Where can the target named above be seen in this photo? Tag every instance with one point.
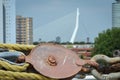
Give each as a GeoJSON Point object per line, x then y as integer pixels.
{"type": "Point", "coordinates": [35, 43]}
{"type": "Point", "coordinates": [107, 41]}
{"type": "Point", "coordinates": [82, 42]}
{"type": "Point", "coordinates": [69, 46]}
{"type": "Point", "coordinates": [66, 43]}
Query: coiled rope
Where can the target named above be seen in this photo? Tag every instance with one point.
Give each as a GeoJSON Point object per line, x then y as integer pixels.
{"type": "Point", "coordinates": [8, 75]}
{"type": "Point", "coordinates": [15, 72]}
{"type": "Point", "coordinates": [10, 67]}
{"type": "Point", "coordinates": [17, 47]}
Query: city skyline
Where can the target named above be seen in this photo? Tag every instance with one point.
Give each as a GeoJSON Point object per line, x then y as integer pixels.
{"type": "Point", "coordinates": [95, 15]}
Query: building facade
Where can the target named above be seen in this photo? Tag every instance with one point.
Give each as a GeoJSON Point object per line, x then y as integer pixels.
{"type": "Point", "coordinates": [116, 14]}
{"type": "Point", "coordinates": [7, 21]}
{"type": "Point", "coordinates": [24, 30]}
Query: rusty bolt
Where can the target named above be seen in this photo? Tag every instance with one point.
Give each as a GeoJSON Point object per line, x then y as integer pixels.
{"type": "Point", "coordinates": [51, 61]}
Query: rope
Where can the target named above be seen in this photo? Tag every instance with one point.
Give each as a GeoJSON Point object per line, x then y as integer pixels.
{"type": "Point", "coordinates": [13, 72]}
{"type": "Point", "coordinates": [10, 67]}
{"type": "Point", "coordinates": [17, 47]}
{"type": "Point", "coordinates": [9, 75]}
{"type": "Point", "coordinates": [6, 78]}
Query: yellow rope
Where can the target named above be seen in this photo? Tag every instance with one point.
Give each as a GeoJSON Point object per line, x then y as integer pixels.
{"type": "Point", "coordinates": [13, 72]}
{"type": "Point", "coordinates": [9, 75]}
{"type": "Point", "coordinates": [10, 67]}
{"type": "Point", "coordinates": [17, 47]}
{"type": "Point", "coordinates": [6, 78]}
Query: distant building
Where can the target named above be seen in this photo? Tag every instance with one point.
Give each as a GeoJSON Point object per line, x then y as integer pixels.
{"type": "Point", "coordinates": [7, 21]}
{"type": "Point", "coordinates": [58, 39]}
{"type": "Point", "coordinates": [116, 14]}
{"type": "Point", "coordinates": [24, 30]}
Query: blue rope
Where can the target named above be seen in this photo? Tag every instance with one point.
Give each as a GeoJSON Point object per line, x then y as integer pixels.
{"type": "Point", "coordinates": [11, 57]}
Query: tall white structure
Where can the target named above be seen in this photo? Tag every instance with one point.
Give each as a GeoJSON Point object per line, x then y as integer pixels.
{"type": "Point", "coordinates": [7, 21]}
{"type": "Point", "coordinates": [76, 27]}
{"type": "Point", "coordinates": [116, 14]}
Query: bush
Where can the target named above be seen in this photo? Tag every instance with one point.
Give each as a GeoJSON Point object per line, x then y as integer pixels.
{"type": "Point", "coordinates": [107, 42]}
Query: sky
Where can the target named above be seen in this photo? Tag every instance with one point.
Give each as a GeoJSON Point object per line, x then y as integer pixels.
{"type": "Point", "coordinates": [52, 18]}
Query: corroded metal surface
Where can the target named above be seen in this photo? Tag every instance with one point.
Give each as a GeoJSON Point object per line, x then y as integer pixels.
{"type": "Point", "coordinates": [106, 58]}
{"type": "Point", "coordinates": [54, 61]}
{"type": "Point", "coordinates": [116, 53]}
{"type": "Point", "coordinates": [111, 76]}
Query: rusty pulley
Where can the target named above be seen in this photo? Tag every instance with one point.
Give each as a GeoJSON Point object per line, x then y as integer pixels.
{"type": "Point", "coordinates": [54, 61]}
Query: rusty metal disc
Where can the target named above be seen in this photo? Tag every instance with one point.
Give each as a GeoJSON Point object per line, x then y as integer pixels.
{"type": "Point", "coordinates": [54, 61]}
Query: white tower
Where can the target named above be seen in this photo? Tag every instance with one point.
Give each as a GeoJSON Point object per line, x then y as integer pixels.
{"type": "Point", "coordinates": [76, 27]}
{"type": "Point", "coordinates": [116, 14]}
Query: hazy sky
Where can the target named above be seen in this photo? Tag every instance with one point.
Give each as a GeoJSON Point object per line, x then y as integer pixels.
{"type": "Point", "coordinates": [95, 15]}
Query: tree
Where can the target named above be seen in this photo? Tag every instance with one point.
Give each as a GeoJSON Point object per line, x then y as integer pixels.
{"type": "Point", "coordinates": [35, 43]}
{"type": "Point", "coordinates": [107, 42]}
{"type": "Point", "coordinates": [82, 42]}
{"type": "Point", "coordinates": [58, 39]}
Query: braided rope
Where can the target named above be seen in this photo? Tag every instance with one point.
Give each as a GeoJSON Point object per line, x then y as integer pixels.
{"type": "Point", "coordinates": [10, 67]}
{"type": "Point", "coordinates": [6, 78]}
{"type": "Point", "coordinates": [21, 76]}
{"type": "Point", "coordinates": [17, 47]}
{"type": "Point", "coordinates": [13, 72]}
